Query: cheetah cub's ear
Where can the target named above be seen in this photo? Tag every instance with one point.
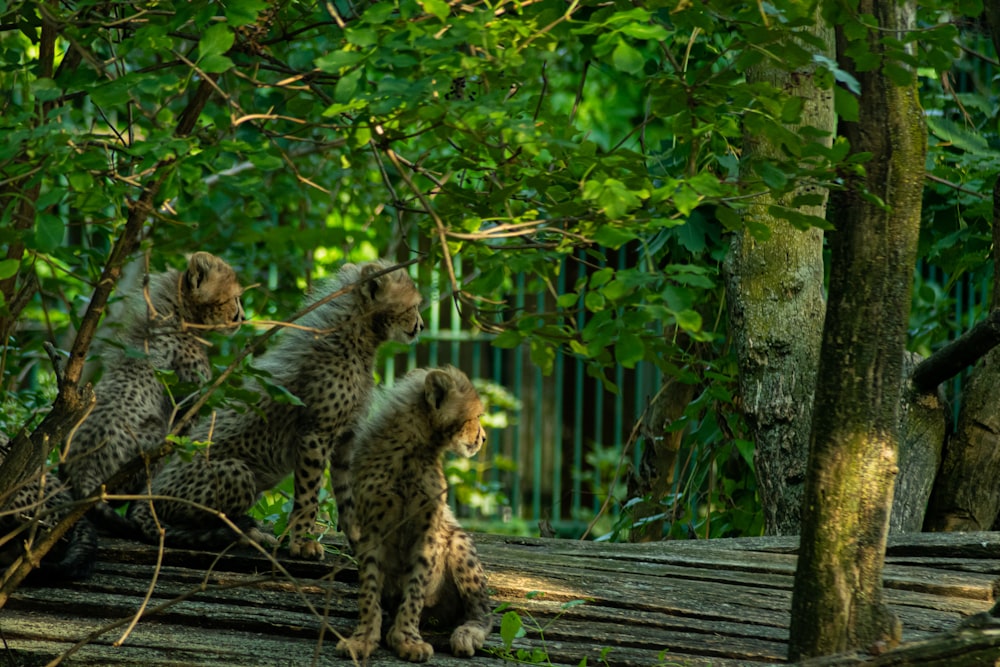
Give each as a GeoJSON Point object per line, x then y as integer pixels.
{"type": "Point", "coordinates": [370, 286]}
{"type": "Point", "coordinates": [200, 264]}
{"type": "Point", "coordinates": [437, 386]}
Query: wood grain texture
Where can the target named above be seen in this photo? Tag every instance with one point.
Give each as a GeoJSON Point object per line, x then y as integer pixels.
{"type": "Point", "coordinates": [719, 602]}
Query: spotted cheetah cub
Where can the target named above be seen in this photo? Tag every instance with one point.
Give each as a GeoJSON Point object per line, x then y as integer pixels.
{"type": "Point", "coordinates": [133, 412]}
{"type": "Point", "coordinates": [33, 506]}
{"type": "Point", "coordinates": [328, 363]}
{"type": "Point", "coordinates": [412, 554]}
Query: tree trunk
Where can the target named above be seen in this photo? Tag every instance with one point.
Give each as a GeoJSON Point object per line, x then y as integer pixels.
{"type": "Point", "coordinates": [923, 427]}
{"type": "Point", "coordinates": [966, 495]}
{"type": "Point", "coordinates": [774, 293]}
{"type": "Point", "coordinates": [655, 477]}
{"type": "Point", "coordinates": [837, 600]}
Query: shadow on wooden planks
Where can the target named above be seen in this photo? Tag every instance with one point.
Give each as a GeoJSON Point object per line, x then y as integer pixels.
{"type": "Point", "coordinates": [718, 602]}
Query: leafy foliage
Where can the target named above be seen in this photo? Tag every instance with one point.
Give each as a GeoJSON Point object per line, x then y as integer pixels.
{"type": "Point", "coordinates": [504, 139]}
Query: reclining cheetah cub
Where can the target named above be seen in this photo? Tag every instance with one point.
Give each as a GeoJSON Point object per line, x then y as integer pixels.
{"type": "Point", "coordinates": [41, 499]}
{"type": "Point", "coordinates": [329, 365]}
{"type": "Point", "coordinates": [133, 412]}
{"type": "Point", "coordinates": [412, 554]}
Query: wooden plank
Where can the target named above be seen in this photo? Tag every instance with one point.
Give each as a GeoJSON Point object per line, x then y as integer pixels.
{"type": "Point", "coordinates": [724, 602]}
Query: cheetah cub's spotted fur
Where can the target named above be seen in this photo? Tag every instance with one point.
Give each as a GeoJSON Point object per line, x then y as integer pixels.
{"type": "Point", "coordinates": [133, 412]}
{"type": "Point", "coordinates": [329, 365]}
{"type": "Point", "coordinates": [412, 554]}
{"type": "Point", "coordinates": [36, 504]}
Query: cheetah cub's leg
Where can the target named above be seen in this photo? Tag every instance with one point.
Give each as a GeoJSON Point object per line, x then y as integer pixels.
{"type": "Point", "coordinates": [404, 636]}
{"type": "Point", "coordinates": [313, 453]}
{"type": "Point", "coordinates": [470, 581]}
{"type": "Point", "coordinates": [340, 480]}
{"type": "Point", "coordinates": [363, 642]}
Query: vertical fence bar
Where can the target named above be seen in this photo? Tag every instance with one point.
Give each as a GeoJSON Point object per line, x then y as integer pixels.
{"type": "Point", "coordinates": [538, 430]}
{"type": "Point", "coordinates": [578, 390]}
{"type": "Point", "coordinates": [557, 426]}
{"type": "Point", "coordinates": [495, 440]}
{"type": "Point", "coordinates": [598, 437]}
{"type": "Point", "coordinates": [434, 328]}
{"type": "Point", "coordinates": [515, 498]}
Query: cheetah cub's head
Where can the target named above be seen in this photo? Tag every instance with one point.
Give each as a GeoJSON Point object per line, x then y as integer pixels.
{"type": "Point", "coordinates": [455, 410]}
{"type": "Point", "coordinates": [394, 301]}
{"type": "Point", "coordinates": [210, 293]}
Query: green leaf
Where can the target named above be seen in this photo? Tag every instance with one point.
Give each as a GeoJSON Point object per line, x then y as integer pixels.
{"type": "Point", "coordinates": [746, 448]}
{"type": "Point", "coordinates": [8, 268]}
{"type": "Point", "coordinates": [616, 290]}
{"type": "Point", "coordinates": [215, 64]}
{"type": "Point", "coordinates": [601, 277]}
{"type": "Point", "coordinates": [594, 301]}
{"type": "Point", "coordinates": [613, 196]}
{"type": "Point", "coordinates": [507, 339]}
{"type": "Point", "coordinates": [729, 218]}
{"type": "Point", "coordinates": [111, 94]}
{"type": "Point", "coordinates": [627, 58]}
{"type": "Point", "coordinates": [438, 8]}
{"type": "Point", "coordinates": [511, 628]}
{"type": "Point", "coordinates": [49, 231]}
{"type": "Point", "coordinates": [613, 237]}
{"type": "Point", "coordinates": [686, 199]}
{"type": "Point", "coordinates": [629, 349]}
{"type": "Point", "coordinates": [899, 74]}
{"type": "Point", "coordinates": [216, 40]}
{"type": "Point", "coordinates": [564, 301]}
{"type": "Point", "coordinates": [840, 75]}
{"type": "Point", "coordinates": [648, 31]}
{"type": "Point", "coordinates": [689, 320]}
{"type": "Point", "coordinates": [347, 86]}
{"type": "Point", "coordinates": [543, 355]}
{"type": "Point", "coordinates": [378, 13]}
{"type": "Point", "coordinates": [773, 177]}
{"type": "Point", "coordinates": [242, 12]}
{"type": "Point", "coordinates": [956, 135]}
{"type": "Point", "coordinates": [45, 90]}
{"type": "Point", "coordinates": [335, 61]}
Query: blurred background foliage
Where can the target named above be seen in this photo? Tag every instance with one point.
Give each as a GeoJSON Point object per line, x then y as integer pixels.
{"type": "Point", "coordinates": [516, 147]}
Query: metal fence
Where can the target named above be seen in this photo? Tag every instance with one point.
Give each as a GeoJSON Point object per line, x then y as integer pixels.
{"type": "Point", "coordinates": [567, 420]}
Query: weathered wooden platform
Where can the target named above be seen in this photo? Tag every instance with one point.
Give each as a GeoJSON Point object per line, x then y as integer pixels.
{"type": "Point", "coordinates": [720, 603]}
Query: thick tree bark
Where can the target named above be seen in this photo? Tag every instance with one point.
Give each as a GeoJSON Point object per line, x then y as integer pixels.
{"type": "Point", "coordinates": [923, 427]}
{"type": "Point", "coordinates": [837, 600]}
{"type": "Point", "coordinates": [966, 494]}
{"type": "Point", "coordinates": [774, 293]}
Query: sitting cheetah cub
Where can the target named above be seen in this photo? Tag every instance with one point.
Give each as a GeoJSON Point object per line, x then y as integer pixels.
{"type": "Point", "coordinates": [328, 363]}
{"type": "Point", "coordinates": [133, 413]}
{"type": "Point", "coordinates": [412, 554]}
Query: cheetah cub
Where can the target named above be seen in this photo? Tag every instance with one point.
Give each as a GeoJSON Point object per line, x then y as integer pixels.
{"type": "Point", "coordinates": [36, 504]}
{"type": "Point", "coordinates": [133, 412]}
{"type": "Point", "coordinates": [412, 554]}
{"type": "Point", "coordinates": [328, 363]}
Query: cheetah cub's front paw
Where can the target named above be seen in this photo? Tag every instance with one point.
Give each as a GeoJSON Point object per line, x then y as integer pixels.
{"type": "Point", "coordinates": [307, 548]}
{"type": "Point", "coordinates": [357, 647]}
{"type": "Point", "coordinates": [409, 646]}
{"type": "Point", "coordinates": [466, 639]}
